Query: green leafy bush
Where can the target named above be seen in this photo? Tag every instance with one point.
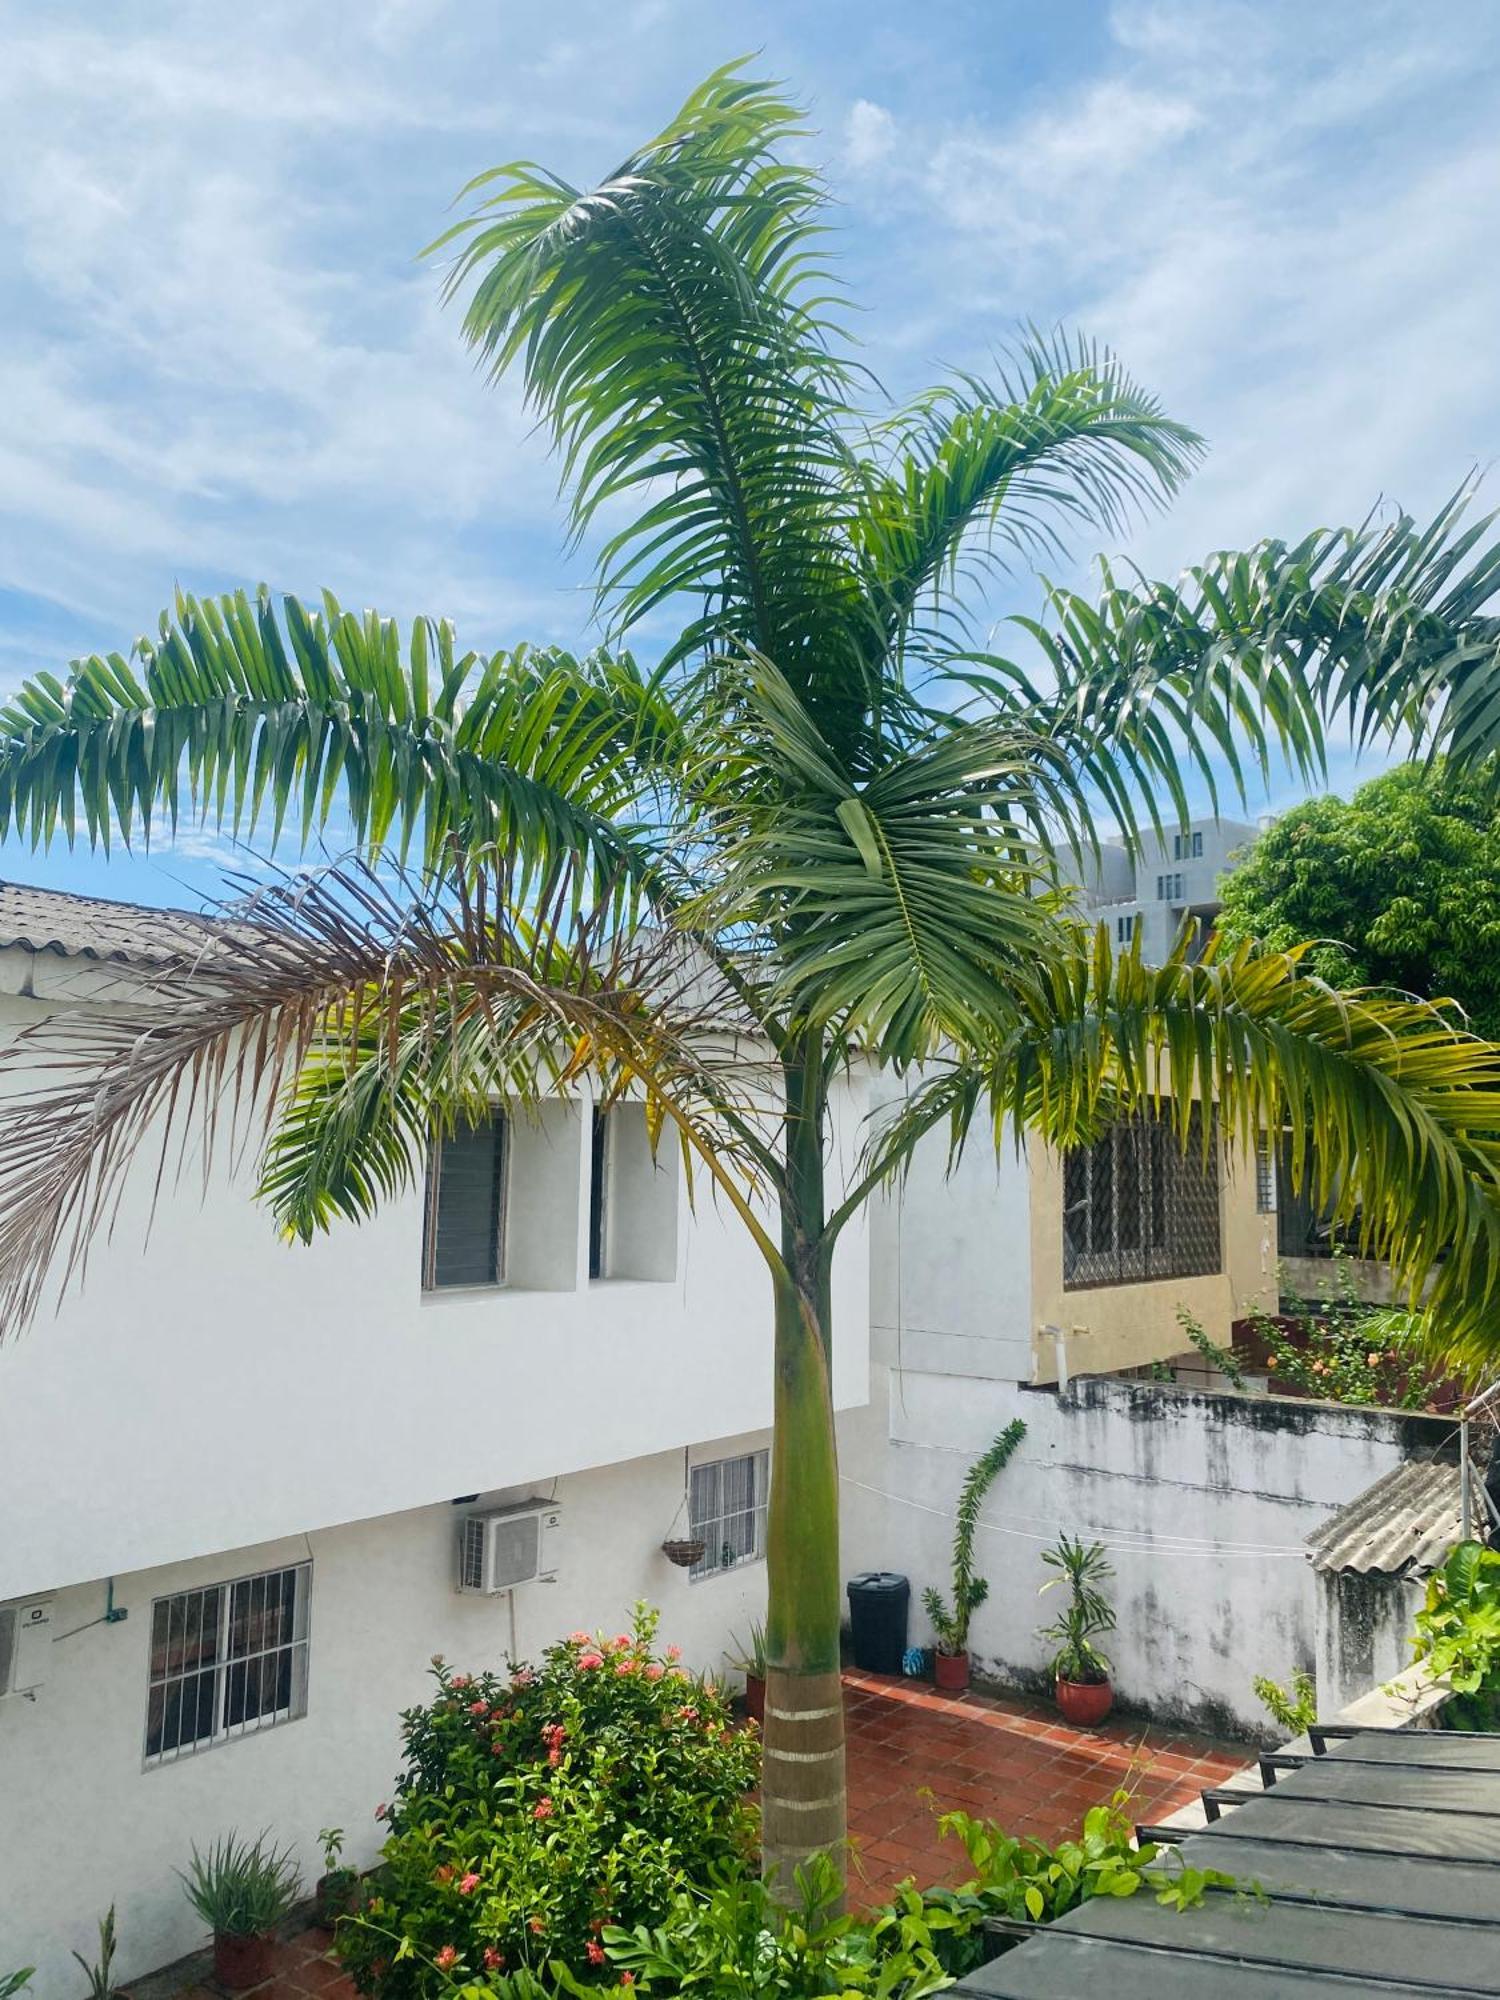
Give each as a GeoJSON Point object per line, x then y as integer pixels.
{"type": "Point", "coordinates": [1458, 1634]}
{"type": "Point", "coordinates": [1340, 1349]}
{"type": "Point", "coordinates": [540, 1807]}
{"type": "Point", "coordinates": [1293, 1708]}
{"type": "Point", "coordinates": [729, 1941]}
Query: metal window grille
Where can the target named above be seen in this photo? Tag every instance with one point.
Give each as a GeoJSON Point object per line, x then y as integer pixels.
{"type": "Point", "coordinates": [727, 1510]}
{"type": "Point", "coordinates": [1137, 1205]}
{"type": "Point", "coordinates": [463, 1241]}
{"type": "Point", "coordinates": [226, 1661]}
{"type": "Point", "coordinates": [598, 1172]}
{"type": "Point", "coordinates": [1265, 1176]}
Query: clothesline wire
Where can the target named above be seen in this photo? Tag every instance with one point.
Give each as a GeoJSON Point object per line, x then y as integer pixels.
{"type": "Point", "coordinates": [1128, 1541]}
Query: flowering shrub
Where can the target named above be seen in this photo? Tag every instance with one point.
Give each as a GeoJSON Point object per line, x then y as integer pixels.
{"type": "Point", "coordinates": [539, 1807]}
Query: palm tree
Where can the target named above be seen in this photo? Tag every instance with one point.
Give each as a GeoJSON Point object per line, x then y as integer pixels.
{"type": "Point", "coordinates": [820, 833]}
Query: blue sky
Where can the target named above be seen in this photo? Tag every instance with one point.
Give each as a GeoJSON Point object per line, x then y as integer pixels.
{"type": "Point", "coordinates": [225, 364]}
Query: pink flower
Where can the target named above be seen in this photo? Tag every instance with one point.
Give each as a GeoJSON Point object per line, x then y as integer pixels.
{"type": "Point", "coordinates": [627, 1979]}
{"type": "Point", "coordinates": [554, 1756]}
{"type": "Point", "coordinates": [674, 1652]}
{"type": "Point", "coordinates": [595, 1952]}
{"type": "Point", "coordinates": [591, 1659]}
{"type": "Point", "coordinates": [543, 1809]}
{"type": "Point", "coordinates": [579, 1638]}
{"type": "Point", "coordinates": [655, 1671]}
{"type": "Point", "coordinates": [469, 1884]}
{"type": "Point", "coordinates": [625, 1667]}
{"type": "Point", "coordinates": [497, 1749]}
{"type": "Point", "coordinates": [382, 1812]}
{"type": "Point", "coordinates": [493, 1960]}
{"type": "Point", "coordinates": [460, 1680]}
{"type": "Point", "coordinates": [622, 1642]}
{"type": "Point", "coordinates": [687, 1715]}
{"type": "Point", "coordinates": [446, 1958]}
{"type": "Point", "coordinates": [479, 1708]}
{"type": "Point", "coordinates": [536, 1925]}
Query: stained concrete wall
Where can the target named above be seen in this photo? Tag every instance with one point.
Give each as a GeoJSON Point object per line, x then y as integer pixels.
{"type": "Point", "coordinates": [1206, 1501]}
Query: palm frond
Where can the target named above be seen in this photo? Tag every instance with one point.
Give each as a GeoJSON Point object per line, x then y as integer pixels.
{"type": "Point", "coordinates": [368, 1020]}
{"type": "Point", "coordinates": [1395, 626]}
{"type": "Point", "coordinates": [898, 907]}
{"type": "Point", "coordinates": [254, 721]}
{"type": "Point", "coordinates": [1393, 1107]}
{"type": "Point", "coordinates": [977, 473]}
{"type": "Point", "coordinates": [674, 328]}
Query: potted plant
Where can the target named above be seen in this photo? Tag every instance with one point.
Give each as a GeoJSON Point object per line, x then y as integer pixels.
{"type": "Point", "coordinates": [1080, 1671]}
{"type": "Point", "coordinates": [950, 1666]}
{"type": "Point", "coordinates": [334, 1895]}
{"type": "Point", "coordinates": [100, 1975]}
{"type": "Point", "coordinates": [750, 1660]}
{"type": "Point", "coordinates": [242, 1890]}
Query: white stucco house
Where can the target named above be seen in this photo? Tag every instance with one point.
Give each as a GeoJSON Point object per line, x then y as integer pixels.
{"type": "Point", "coordinates": [233, 1475]}
{"type": "Point", "coordinates": [246, 1489]}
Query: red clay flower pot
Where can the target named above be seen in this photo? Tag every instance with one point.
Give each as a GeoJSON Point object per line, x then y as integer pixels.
{"type": "Point", "coordinates": [1084, 1703]}
{"type": "Point", "coordinates": [243, 1961]}
{"type": "Point", "coordinates": [951, 1671]}
{"type": "Point", "coordinates": [755, 1698]}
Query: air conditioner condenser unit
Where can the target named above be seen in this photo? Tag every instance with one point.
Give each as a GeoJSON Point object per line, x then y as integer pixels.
{"type": "Point", "coordinates": [508, 1547]}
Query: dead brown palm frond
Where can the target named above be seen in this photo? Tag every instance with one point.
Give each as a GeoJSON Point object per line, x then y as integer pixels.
{"type": "Point", "coordinates": [431, 997]}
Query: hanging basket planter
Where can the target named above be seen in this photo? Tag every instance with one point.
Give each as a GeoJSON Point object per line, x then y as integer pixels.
{"type": "Point", "coordinates": [684, 1551]}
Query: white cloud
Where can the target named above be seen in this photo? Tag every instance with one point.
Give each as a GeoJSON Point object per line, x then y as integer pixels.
{"type": "Point", "coordinates": [869, 135]}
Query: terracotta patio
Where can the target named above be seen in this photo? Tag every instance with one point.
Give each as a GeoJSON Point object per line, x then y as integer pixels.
{"type": "Point", "coordinates": [912, 1754]}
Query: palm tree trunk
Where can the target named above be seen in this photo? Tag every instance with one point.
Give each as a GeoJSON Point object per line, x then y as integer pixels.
{"type": "Point", "coordinates": [804, 1804]}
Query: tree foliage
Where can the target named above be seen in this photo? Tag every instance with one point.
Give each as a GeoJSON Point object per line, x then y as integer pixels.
{"type": "Point", "coordinates": [1398, 886]}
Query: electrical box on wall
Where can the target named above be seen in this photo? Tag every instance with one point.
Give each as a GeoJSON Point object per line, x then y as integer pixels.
{"type": "Point", "coordinates": [508, 1547]}
{"type": "Point", "coordinates": [25, 1646]}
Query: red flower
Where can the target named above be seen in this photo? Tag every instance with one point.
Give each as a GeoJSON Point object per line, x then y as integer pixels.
{"type": "Point", "coordinates": [497, 1749]}
{"type": "Point", "coordinates": [382, 1812]}
{"type": "Point", "coordinates": [479, 1708]}
{"type": "Point", "coordinates": [469, 1884]}
{"type": "Point", "coordinates": [591, 1659]}
{"type": "Point", "coordinates": [542, 1809]}
{"type": "Point", "coordinates": [625, 1667]}
{"type": "Point", "coordinates": [627, 1979]}
{"type": "Point", "coordinates": [554, 1756]}
{"type": "Point", "coordinates": [595, 1952]}
{"type": "Point", "coordinates": [536, 1925]}
{"type": "Point", "coordinates": [446, 1958]}
{"type": "Point", "coordinates": [493, 1960]}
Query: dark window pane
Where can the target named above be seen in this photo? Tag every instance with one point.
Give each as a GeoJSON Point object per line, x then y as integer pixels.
{"type": "Point", "coordinates": [598, 1156]}
{"type": "Point", "coordinates": [464, 1206]}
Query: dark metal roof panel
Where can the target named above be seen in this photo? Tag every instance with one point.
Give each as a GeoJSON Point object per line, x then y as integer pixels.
{"type": "Point", "coordinates": [1376, 1876]}
{"type": "Point", "coordinates": [1403, 1525]}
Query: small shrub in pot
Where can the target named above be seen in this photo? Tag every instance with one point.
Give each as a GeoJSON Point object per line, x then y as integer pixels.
{"type": "Point", "coordinates": [242, 1890]}
{"type": "Point", "coordinates": [951, 1625]}
{"type": "Point", "coordinates": [1080, 1670]}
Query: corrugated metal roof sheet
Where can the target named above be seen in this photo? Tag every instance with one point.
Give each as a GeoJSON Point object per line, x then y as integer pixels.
{"type": "Point", "coordinates": [1403, 1525]}
{"type": "Point", "coordinates": [51, 920]}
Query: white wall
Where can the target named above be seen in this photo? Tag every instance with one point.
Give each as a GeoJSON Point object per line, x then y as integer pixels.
{"type": "Point", "coordinates": [1196, 1490]}
{"type": "Point", "coordinates": [81, 1824]}
{"type": "Point", "coordinates": [217, 1388]}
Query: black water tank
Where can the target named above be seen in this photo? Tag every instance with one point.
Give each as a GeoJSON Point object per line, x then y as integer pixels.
{"type": "Point", "coordinates": [878, 1602]}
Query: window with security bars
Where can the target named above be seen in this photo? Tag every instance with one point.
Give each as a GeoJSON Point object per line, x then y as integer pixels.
{"type": "Point", "coordinates": [1137, 1205]}
{"type": "Point", "coordinates": [226, 1661]}
{"type": "Point", "coordinates": [727, 1511]}
{"type": "Point", "coordinates": [464, 1237]}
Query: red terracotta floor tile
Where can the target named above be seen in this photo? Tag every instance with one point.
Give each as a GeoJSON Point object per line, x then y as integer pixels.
{"type": "Point", "coordinates": [914, 1753]}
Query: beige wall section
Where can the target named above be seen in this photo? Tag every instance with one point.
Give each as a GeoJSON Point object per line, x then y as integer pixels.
{"type": "Point", "coordinates": [1127, 1325]}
